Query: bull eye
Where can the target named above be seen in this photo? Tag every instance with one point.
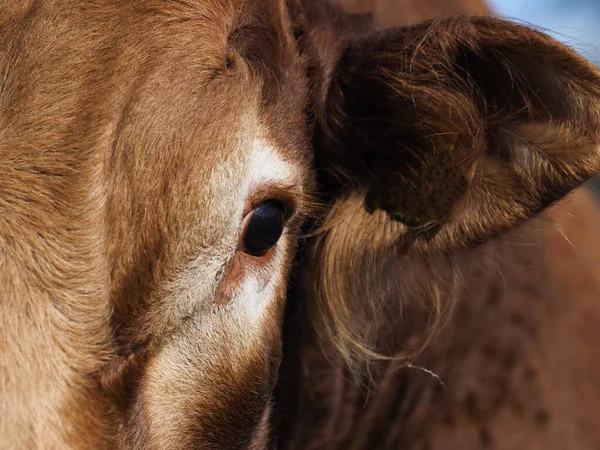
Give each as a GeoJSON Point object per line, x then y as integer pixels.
{"type": "Point", "coordinates": [263, 228]}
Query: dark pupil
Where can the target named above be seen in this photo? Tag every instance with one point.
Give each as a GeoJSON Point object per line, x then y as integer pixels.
{"type": "Point", "coordinates": [265, 228]}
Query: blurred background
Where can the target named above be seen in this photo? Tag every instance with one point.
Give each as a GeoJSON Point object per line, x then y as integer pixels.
{"type": "Point", "coordinates": [574, 22]}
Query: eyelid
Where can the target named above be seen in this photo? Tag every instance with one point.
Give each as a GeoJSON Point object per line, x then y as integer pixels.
{"type": "Point", "coordinates": [288, 195]}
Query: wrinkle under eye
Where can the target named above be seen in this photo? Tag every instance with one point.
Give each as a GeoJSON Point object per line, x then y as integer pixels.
{"type": "Point", "coordinates": [263, 228]}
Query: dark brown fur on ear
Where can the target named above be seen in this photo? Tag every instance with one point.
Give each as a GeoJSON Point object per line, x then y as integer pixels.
{"type": "Point", "coordinates": [433, 138]}
{"type": "Point", "coordinates": [463, 125]}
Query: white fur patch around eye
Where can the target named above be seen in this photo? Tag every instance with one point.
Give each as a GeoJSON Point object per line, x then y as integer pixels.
{"type": "Point", "coordinates": [223, 336]}
{"type": "Point", "coordinates": [268, 166]}
{"type": "Point", "coordinates": [257, 293]}
{"type": "Point", "coordinates": [195, 288]}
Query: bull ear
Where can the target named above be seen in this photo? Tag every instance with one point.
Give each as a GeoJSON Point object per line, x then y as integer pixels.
{"type": "Point", "coordinates": [459, 128]}
{"type": "Point", "coordinates": [434, 138]}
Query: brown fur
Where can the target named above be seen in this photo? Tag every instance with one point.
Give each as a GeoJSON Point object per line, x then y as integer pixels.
{"type": "Point", "coordinates": [124, 141]}
{"type": "Point", "coordinates": [114, 121]}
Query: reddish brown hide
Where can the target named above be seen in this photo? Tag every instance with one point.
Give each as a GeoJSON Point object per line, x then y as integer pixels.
{"type": "Point", "coordinates": [217, 216]}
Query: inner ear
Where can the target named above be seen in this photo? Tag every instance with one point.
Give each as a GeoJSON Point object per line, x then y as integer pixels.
{"type": "Point", "coordinates": [397, 187]}
{"type": "Point", "coordinates": [395, 133]}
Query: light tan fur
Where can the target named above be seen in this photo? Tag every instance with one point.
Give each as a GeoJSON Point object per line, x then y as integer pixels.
{"type": "Point", "coordinates": [136, 137]}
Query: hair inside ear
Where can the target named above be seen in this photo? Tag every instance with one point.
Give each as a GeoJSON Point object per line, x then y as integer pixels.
{"type": "Point", "coordinates": [421, 193]}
